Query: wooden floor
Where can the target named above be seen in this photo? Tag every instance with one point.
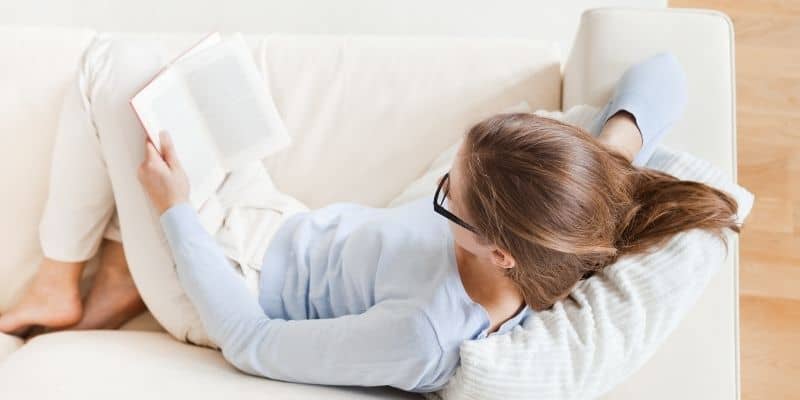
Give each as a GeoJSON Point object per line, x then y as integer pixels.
{"type": "Point", "coordinates": [768, 103]}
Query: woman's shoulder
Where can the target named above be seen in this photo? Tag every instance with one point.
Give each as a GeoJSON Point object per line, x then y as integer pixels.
{"type": "Point", "coordinates": [410, 224]}
{"type": "Point", "coordinates": [416, 216]}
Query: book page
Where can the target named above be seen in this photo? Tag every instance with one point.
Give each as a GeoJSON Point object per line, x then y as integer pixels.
{"type": "Point", "coordinates": [233, 98]}
{"type": "Point", "coordinates": [211, 40]}
{"type": "Point", "coordinates": [167, 105]}
{"type": "Point", "coordinates": [207, 42]}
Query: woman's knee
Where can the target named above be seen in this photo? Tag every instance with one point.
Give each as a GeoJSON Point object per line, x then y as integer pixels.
{"type": "Point", "coordinates": [116, 67]}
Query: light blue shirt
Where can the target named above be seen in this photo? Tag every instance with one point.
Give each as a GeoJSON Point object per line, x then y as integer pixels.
{"type": "Point", "coordinates": [356, 295]}
{"type": "Point", "coordinates": [349, 295]}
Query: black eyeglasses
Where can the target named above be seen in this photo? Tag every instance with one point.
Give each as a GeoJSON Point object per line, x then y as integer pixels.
{"type": "Point", "coordinates": [438, 202]}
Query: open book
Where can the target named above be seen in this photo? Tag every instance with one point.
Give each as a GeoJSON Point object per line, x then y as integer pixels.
{"type": "Point", "coordinates": [216, 107]}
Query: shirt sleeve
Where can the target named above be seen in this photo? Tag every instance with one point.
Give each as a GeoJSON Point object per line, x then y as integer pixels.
{"type": "Point", "coordinates": [654, 91]}
{"type": "Point", "coordinates": [389, 344]}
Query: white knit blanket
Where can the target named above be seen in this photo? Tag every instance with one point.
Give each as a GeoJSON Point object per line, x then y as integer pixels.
{"type": "Point", "coordinates": [612, 322]}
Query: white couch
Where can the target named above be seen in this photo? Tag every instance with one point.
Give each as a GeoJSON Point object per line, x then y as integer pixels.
{"type": "Point", "coordinates": [367, 114]}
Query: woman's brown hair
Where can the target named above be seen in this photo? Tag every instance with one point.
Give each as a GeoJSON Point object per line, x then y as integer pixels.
{"type": "Point", "coordinates": [565, 205]}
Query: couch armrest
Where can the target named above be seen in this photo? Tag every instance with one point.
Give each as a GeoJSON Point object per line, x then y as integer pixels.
{"type": "Point", "coordinates": [703, 352]}
{"type": "Point", "coordinates": [611, 39]}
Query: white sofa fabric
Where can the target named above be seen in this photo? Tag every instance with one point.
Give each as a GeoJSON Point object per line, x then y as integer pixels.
{"type": "Point", "coordinates": [339, 96]}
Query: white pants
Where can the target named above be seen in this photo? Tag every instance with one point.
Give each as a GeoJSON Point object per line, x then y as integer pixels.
{"type": "Point", "coordinates": [94, 192]}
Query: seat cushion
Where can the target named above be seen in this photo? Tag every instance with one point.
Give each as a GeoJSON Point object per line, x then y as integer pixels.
{"type": "Point", "coordinates": [8, 344]}
{"type": "Point", "coordinates": [146, 365]}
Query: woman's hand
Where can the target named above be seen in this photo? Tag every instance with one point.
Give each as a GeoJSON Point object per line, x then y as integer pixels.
{"type": "Point", "coordinates": [163, 179]}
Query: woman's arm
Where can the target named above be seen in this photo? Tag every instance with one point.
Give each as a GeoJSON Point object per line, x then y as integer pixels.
{"type": "Point", "coordinates": [648, 100]}
{"type": "Point", "coordinates": [621, 134]}
{"type": "Point", "coordinates": [390, 344]}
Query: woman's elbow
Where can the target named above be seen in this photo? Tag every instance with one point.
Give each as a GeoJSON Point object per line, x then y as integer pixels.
{"type": "Point", "coordinates": [242, 362]}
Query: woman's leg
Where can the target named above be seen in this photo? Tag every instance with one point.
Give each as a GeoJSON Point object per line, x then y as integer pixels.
{"type": "Point", "coordinates": [113, 298]}
{"type": "Point", "coordinates": [242, 215]}
{"type": "Point", "coordinates": [116, 69]}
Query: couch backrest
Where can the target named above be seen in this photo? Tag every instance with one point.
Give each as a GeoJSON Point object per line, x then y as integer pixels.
{"type": "Point", "coordinates": [367, 114]}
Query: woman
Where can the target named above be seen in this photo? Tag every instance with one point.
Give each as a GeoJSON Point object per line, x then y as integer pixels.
{"type": "Point", "coordinates": [355, 295]}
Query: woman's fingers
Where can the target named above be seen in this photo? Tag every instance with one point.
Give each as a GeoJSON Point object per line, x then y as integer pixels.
{"type": "Point", "coordinates": [147, 165]}
{"type": "Point", "coordinates": [168, 150]}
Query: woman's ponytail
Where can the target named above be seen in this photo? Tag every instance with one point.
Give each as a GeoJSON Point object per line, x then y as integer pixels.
{"type": "Point", "coordinates": [663, 205]}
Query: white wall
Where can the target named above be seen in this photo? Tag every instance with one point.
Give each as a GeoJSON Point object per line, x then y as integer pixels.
{"type": "Point", "coordinates": [549, 20]}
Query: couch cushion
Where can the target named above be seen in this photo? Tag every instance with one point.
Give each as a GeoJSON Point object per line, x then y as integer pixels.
{"type": "Point", "coordinates": [143, 365]}
{"type": "Point", "coordinates": [8, 344]}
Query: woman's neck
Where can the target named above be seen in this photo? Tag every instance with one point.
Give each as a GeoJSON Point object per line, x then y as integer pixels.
{"type": "Point", "coordinates": [487, 285]}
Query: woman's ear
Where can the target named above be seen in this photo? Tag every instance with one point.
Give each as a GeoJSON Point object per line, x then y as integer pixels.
{"type": "Point", "coordinates": [502, 258]}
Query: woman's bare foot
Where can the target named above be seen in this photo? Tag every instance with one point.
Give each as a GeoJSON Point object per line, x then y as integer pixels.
{"type": "Point", "coordinates": [113, 298]}
{"type": "Point", "coordinates": [53, 300]}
